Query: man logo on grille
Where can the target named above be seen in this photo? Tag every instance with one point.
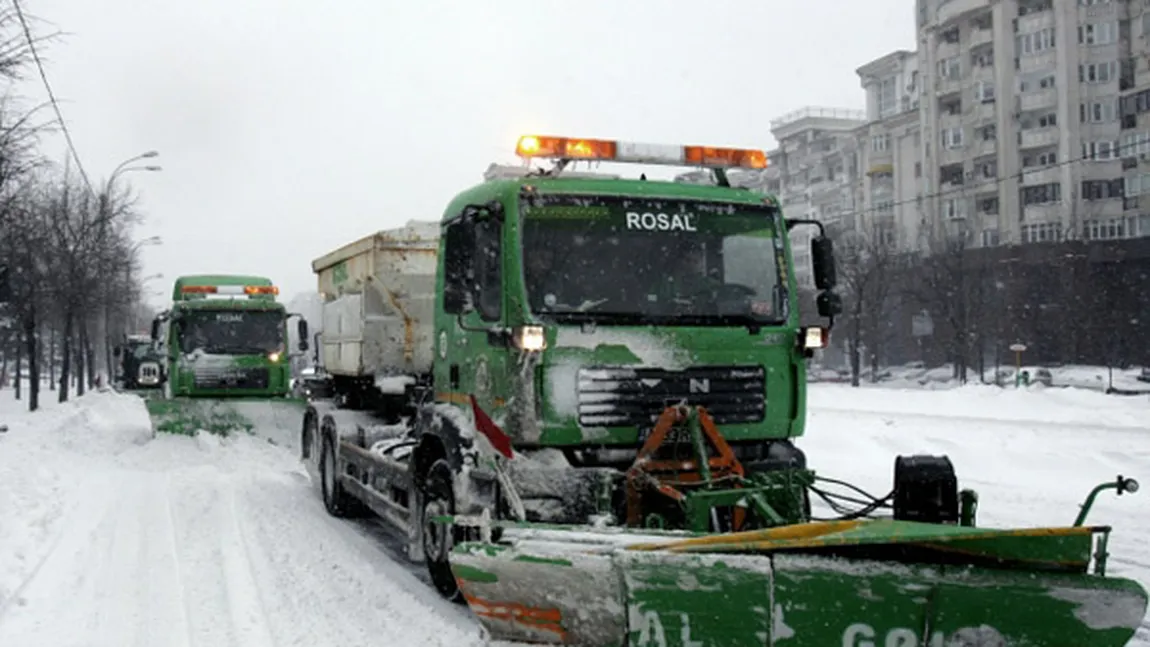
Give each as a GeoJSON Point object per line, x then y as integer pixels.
{"type": "Point", "coordinates": [700, 385]}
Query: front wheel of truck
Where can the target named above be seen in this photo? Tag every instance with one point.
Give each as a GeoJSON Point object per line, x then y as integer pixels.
{"type": "Point", "coordinates": [439, 500]}
{"type": "Point", "coordinates": [338, 502]}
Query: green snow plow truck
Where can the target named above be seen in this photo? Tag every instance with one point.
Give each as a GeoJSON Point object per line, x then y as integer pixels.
{"type": "Point", "coordinates": [224, 357]}
{"type": "Point", "coordinates": [578, 397]}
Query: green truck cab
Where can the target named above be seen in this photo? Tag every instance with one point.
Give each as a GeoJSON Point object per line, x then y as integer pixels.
{"type": "Point", "coordinates": [511, 359]}
{"type": "Point", "coordinates": [224, 335]}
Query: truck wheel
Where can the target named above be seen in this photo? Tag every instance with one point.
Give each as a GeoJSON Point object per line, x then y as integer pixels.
{"type": "Point", "coordinates": [337, 501]}
{"type": "Point", "coordinates": [439, 499]}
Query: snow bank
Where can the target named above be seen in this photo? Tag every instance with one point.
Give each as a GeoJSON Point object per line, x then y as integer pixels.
{"type": "Point", "coordinates": [1058, 407]}
{"type": "Point", "coordinates": [39, 454]}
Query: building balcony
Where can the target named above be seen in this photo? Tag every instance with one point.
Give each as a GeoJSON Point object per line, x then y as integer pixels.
{"type": "Point", "coordinates": [949, 10]}
{"type": "Point", "coordinates": [1046, 98]}
{"type": "Point", "coordinates": [1044, 212]}
{"type": "Point", "coordinates": [944, 85]}
{"type": "Point", "coordinates": [1106, 10]}
{"type": "Point", "coordinates": [1112, 208]}
{"type": "Point", "coordinates": [985, 111]}
{"type": "Point", "coordinates": [981, 36]}
{"type": "Point", "coordinates": [983, 147]}
{"type": "Point", "coordinates": [1047, 60]}
{"type": "Point", "coordinates": [1039, 137]}
{"type": "Point", "coordinates": [1035, 175]}
{"type": "Point", "coordinates": [1035, 21]}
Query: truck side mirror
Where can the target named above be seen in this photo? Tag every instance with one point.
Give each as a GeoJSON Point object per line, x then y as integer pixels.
{"type": "Point", "coordinates": [823, 262]}
{"type": "Point", "coordinates": [829, 304]}
{"type": "Point", "coordinates": [155, 330]}
{"type": "Point", "coordinates": [116, 350]}
{"type": "Point", "coordinates": [302, 329]}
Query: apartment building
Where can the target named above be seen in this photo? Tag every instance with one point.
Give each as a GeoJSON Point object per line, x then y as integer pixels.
{"type": "Point", "coordinates": [1021, 104]}
{"type": "Point", "coordinates": [815, 173]}
{"type": "Point", "coordinates": [889, 151]}
{"type": "Point", "coordinates": [1134, 121]}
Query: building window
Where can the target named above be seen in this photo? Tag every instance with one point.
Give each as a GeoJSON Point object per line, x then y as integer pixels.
{"type": "Point", "coordinates": [989, 237]}
{"type": "Point", "coordinates": [1099, 33]}
{"type": "Point", "coordinates": [880, 143]}
{"type": "Point", "coordinates": [1110, 228]}
{"type": "Point", "coordinates": [1098, 72]}
{"type": "Point", "coordinates": [988, 206]}
{"type": "Point", "coordinates": [1100, 150]}
{"type": "Point", "coordinates": [987, 133]}
{"type": "Point", "coordinates": [953, 209]}
{"type": "Point", "coordinates": [1048, 120]}
{"type": "Point", "coordinates": [1035, 42]}
{"type": "Point", "coordinates": [1102, 189]}
{"type": "Point", "coordinates": [887, 97]}
{"type": "Point", "coordinates": [950, 68]}
{"type": "Point", "coordinates": [1041, 193]}
{"type": "Point", "coordinates": [1098, 112]}
{"type": "Point", "coordinates": [1048, 158]}
{"type": "Point", "coordinates": [984, 92]}
{"type": "Point", "coordinates": [952, 137]}
{"type": "Point", "coordinates": [1043, 232]}
{"type": "Point", "coordinates": [1136, 184]}
{"type": "Point", "coordinates": [1135, 145]}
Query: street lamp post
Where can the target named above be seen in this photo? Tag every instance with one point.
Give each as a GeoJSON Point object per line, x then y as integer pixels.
{"type": "Point", "coordinates": [105, 206]}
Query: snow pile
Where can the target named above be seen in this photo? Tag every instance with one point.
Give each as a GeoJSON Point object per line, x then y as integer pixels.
{"type": "Point", "coordinates": [1057, 407]}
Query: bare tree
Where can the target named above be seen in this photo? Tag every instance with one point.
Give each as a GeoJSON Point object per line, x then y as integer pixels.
{"type": "Point", "coordinates": [949, 287]}
{"type": "Point", "coordinates": [865, 267]}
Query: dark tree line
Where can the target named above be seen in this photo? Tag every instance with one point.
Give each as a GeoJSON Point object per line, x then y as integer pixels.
{"type": "Point", "coordinates": [1070, 302]}
{"type": "Point", "coordinates": [67, 258]}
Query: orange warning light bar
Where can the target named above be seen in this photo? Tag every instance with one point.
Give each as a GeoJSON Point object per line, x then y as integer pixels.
{"type": "Point", "coordinates": [605, 150]}
{"type": "Point", "coordinates": [198, 289]}
{"type": "Point", "coordinates": [252, 290]}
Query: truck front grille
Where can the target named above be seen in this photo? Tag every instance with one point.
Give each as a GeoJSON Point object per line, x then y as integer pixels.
{"type": "Point", "coordinates": [231, 378]}
{"type": "Point", "coordinates": [620, 396]}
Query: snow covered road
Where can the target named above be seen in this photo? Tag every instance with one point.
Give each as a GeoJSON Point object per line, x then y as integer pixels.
{"type": "Point", "coordinates": [185, 542]}
{"type": "Point", "coordinates": [111, 538]}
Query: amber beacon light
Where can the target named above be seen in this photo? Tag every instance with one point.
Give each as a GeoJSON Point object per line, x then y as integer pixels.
{"type": "Point", "coordinates": [608, 150]}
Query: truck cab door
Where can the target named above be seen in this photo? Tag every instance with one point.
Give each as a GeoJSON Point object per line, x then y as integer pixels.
{"type": "Point", "coordinates": [473, 358]}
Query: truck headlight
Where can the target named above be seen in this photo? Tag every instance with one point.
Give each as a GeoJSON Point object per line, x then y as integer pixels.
{"type": "Point", "coordinates": [529, 338]}
{"type": "Point", "coordinates": [814, 337]}
{"type": "Point", "coordinates": [274, 357]}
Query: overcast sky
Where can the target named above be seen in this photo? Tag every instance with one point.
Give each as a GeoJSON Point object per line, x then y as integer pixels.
{"type": "Point", "coordinates": [287, 128]}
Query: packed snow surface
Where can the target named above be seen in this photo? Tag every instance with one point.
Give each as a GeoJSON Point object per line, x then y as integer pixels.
{"type": "Point", "coordinates": [109, 537]}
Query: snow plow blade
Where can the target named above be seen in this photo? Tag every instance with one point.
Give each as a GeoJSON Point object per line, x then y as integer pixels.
{"type": "Point", "coordinates": [222, 416]}
{"type": "Point", "coordinates": [860, 582]}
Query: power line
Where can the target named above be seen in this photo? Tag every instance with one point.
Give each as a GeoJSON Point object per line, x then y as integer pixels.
{"type": "Point", "coordinates": [51, 95]}
{"type": "Point", "coordinates": [999, 179]}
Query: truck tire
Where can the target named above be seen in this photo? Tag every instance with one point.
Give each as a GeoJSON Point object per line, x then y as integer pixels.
{"type": "Point", "coordinates": [338, 502]}
{"type": "Point", "coordinates": [439, 499]}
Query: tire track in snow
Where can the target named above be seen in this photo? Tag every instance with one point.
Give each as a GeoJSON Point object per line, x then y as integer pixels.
{"type": "Point", "coordinates": [174, 544]}
{"type": "Point", "coordinates": [247, 608]}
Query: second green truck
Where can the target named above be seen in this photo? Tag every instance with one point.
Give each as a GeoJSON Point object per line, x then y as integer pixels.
{"type": "Point", "coordinates": [224, 353]}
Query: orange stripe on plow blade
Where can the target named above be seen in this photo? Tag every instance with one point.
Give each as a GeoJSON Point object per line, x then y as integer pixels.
{"type": "Point", "coordinates": [534, 617]}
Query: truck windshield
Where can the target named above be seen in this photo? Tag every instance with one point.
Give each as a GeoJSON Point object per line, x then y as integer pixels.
{"type": "Point", "coordinates": [642, 260]}
{"type": "Point", "coordinates": [232, 332]}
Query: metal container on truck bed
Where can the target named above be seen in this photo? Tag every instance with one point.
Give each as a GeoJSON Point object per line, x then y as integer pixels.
{"type": "Point", "coordinates": [379, 302]}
